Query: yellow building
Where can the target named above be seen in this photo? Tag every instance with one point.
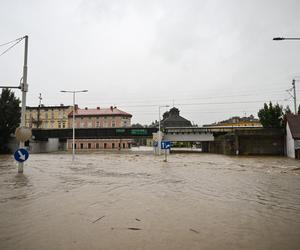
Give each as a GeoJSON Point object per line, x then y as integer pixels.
{"type": "Point", "coordinates": [47, 116]}
{"type": "Point", "coordinates": [237, 122]}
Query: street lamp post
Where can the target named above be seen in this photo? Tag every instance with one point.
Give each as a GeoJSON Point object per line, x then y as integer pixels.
{"type": "Point", "coordinates": [293, 83]}
{"type": "Point", "coordinates": [159, 132]}
{"type": "Point", "coordinates": [73, 92]}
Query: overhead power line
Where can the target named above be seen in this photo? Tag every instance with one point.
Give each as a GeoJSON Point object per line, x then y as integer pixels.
{"type": "Point", "coordinates": [9, 48]}
{"type": "Point", "coordinates": [3, 44]}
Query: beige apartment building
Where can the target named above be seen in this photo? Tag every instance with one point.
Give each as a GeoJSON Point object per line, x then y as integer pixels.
{"type": "Point", "coordinates": [48, 117]}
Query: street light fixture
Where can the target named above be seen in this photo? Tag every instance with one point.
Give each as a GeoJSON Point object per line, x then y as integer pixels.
{"type": "Point", "coordinates": [285, 38]}
{"type": "Point", "coordinates": [73, 92]}
{"type": "Point", "coordinates": [293, 83]}
{"type": "Point", "coordinates": [159, 132]}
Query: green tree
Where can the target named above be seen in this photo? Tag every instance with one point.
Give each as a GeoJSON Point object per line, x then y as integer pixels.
{"type": "Point", "coordinates": [287, 111]}
{"type": "Point", "coordinates": [271, 115]}
{"type": "Point", "coordinates": [137, 125]}
{"type": "Point", "coordinates": [10, 114]}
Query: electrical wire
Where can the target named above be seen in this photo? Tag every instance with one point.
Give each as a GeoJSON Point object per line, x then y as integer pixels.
{"type": "Point", "coordinates": [175, 100]}
{"type": "Point", "coordinates": [3, 44]}
{"type": "Point", "coordinates": [9, 48]}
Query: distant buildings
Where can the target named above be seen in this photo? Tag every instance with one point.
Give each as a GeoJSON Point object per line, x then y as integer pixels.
{"type": "Point", "coordinates": [171, 118]}
{"type": "Point", "coordinates": [61, 117]}
{"type": "Point", "coordinates": [47, 117]}
{"type": "Point", "coordinates": [293, 136]}
{"type": "Point", "coordinates": [237, 121]}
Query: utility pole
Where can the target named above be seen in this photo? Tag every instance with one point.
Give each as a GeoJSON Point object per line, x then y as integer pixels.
{"type": "Point", "coordinates": [24, 89]}
{"type": "Point", "coordinates": [295, 100]}
{"type": "Point", "coordinates": [39, 107]}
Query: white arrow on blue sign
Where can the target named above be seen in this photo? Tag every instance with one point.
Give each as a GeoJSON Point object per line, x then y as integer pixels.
{"type": "Point", "coordinates": [21, 155]}
{"type": "Point", "coordinates": [165, 144]}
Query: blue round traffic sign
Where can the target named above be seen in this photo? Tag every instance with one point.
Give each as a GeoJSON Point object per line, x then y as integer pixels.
{"type": "Point", "coordinates": [21, 155]}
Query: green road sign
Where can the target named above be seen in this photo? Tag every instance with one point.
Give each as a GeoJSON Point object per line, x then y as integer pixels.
{"type": "Point", "coordinates": [139, 132]}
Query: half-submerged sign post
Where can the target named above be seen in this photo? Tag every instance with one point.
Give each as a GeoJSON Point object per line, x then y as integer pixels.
{"type": "Point", "coordinates": [166, 145]}
{"type": "Point", "coordinates": [24, 89]}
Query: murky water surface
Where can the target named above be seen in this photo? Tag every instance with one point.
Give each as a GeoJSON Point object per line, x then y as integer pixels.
{"type": "Point", "coordinates": [137, 201]}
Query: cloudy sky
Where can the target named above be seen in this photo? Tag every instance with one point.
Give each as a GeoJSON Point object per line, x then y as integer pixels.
{"type": "Point", "coordinates": [212, 59]}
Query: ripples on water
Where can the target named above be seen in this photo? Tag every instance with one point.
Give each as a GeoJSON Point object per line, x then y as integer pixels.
{"type": "Point", "coordinates": [192, 201]}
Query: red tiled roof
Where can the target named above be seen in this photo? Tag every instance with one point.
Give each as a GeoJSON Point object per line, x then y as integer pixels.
{"type": "Point", "coordinates": [294, 125]}
{"type": "Point", "coordinates": [100, 112]}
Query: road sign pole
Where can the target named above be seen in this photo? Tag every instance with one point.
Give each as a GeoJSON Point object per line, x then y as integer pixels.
{"type": "Point", "coordinates": [24, 89]}
{"type": "Point", "coordinates": [73, 147]}
{"type": "Point", "coordinates": [159, 135]}
{"type": "Point", "coordinates": [165, 155]}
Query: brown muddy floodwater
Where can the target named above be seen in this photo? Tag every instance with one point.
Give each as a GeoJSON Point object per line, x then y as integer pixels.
{"type": "Point", "coordinates": [134, 200]}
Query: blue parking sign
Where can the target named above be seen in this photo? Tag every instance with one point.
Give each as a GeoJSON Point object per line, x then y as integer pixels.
{"type": "Point", "coordinates": [166, 145]}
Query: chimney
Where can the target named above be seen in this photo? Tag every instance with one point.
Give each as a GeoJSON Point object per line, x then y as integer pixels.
{"type": "Point", "coordinates": [76, 106]}
{"type": "Point", "coordinates": [98, 107]}
{"type": "Point", "coordinates": [86, 108]}
{"type": "Point", "coordinates": [111, 108]}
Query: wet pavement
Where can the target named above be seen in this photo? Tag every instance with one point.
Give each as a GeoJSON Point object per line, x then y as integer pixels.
{"type": "Point", "coordinates": [134, 200]}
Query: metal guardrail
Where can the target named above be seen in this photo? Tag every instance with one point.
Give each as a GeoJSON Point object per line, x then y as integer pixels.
{"type": "Point", "coordinates": [198, 130]}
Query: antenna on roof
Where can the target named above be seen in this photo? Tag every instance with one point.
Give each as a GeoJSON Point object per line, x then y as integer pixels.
{"type": "Point", "coordinates": [40, 99]}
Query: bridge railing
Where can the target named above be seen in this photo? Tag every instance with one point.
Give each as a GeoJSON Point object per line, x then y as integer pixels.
{"type": "Point", "coordinates": [197, 130]}
{"type": "Point", "coordinates": [91, 133]}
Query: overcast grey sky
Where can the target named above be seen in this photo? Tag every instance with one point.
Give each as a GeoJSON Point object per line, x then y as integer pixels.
{"type": "Point", "coordinates": [138, 54]}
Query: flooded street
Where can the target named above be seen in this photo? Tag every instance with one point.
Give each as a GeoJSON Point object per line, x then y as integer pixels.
{"type": "Point", "coordinates": [134, 200]}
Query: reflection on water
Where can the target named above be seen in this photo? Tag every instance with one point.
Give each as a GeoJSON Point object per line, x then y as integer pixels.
{"type": "Point", "coordinates": [21, 180]}
{"type": "Point", "coordinates": [135, 200]}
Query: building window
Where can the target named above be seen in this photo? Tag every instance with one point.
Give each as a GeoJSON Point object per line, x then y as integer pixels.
{"type": "Point", "coordinates": [64, 125]}
{"type": "Point", "coordinates": [119, 145]}
{"type": "Point", "coordinates": [89, 145]}
{"type": "Point", "coordinates": [124, 145]}
{"type": "Point", "coordinates": [112, 145]}
{"type": "Point", "coordinates": [105, 145]}
{"type": "Point", "coordinates": [97, 124]}
{"type": "Point", "coordinates": [97, 145]}
{"type": "Point", "coordinates": [81, 145]}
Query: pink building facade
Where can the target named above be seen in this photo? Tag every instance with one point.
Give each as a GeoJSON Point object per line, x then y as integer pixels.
{"type": "Point", "coordinates": [100, 118]}
{"type": "Point", "coordinates": [99, 144]}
